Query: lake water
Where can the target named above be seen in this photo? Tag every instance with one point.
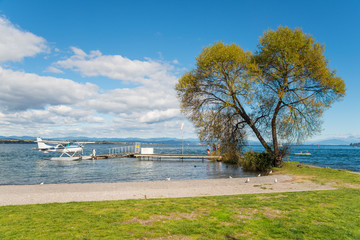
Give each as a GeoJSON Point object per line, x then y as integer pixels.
{"type": "Point", "coordinates": [19, 164]}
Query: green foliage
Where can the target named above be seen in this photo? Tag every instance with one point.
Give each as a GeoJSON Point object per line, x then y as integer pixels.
{"type": "Point", "coordinates": [231, 157]}
{"type": "Point", "coordinates": [297, 83]}
{"type": "Point", "coordinates": [279, 94]}
{"type": "Point", "coordinates": [255, 161]}
{"type": "Point", "coordinates": [205, 97]}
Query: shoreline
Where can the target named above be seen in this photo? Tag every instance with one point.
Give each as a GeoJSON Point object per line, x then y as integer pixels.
{"type": "Point", "coordinates": [85, 192]}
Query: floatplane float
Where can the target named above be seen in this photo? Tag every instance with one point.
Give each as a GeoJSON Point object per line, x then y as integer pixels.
{"type": "Point", "coordinates": [71, 149]}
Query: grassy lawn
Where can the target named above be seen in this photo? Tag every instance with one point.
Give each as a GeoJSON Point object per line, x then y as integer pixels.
{"type": "Point", "coordinates": [333, 214]}
{"type": "Point", "coordinates": [337, 177]}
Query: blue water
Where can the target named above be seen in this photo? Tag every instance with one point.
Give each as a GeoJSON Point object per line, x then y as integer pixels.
{"type": "Point", "coordinates": [19, 164]}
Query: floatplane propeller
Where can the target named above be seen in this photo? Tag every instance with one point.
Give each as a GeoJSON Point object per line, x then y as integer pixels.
{"type": "Point", "coordinates": [71, 149]}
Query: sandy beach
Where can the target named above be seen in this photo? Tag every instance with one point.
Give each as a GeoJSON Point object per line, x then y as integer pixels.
{"type": "Point", "coordinates": [59, 193]}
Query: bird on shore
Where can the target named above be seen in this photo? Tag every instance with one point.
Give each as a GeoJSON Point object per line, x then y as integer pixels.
{"type": "Point", "coordinates": [168, 179]}
{"type": "Point", "coordinates": [259, 175]}
{"type": "Point", "coordinates": [275, 181]}
{"type": "Point", "coordinates": [247, 180]}
{"type": "Point", "coordinates": [270, 172]}
{"type": "Point", "coordinates": [230, 176]}
{"type": "Point", "coordinates": [41, 183]}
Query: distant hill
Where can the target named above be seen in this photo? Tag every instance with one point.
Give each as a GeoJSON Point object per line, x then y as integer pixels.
{"type": "Point", "coordinates": [175, 141]}
{"type": "Point", "coordinates": [18, 138]}
{"type": "Point", "coordinates": [170, 141]}
{"type": "Point", "coordinates": [15, 141]}
{"type": "Point", "coordinates": [336, 141]}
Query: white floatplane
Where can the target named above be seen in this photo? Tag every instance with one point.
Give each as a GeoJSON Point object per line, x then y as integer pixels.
{"type": "Point", "coordinates": [72, 150]}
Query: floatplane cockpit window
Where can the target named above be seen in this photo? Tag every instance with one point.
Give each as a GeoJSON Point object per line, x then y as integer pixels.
{"type": "Point", "coordinates": [73, 145]}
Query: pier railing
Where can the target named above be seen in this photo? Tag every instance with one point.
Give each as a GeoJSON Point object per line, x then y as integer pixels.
{"type": "Point", "coordinates": [135, 151]}
{"type": "Point", "coordinates": [122, 150]}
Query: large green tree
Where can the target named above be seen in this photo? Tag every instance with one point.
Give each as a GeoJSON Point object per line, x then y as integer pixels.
{"type": "Point", "coordinates": [279, 93]}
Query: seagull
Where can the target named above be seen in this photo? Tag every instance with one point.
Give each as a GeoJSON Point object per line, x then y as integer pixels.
{"type": "Point", "coordinates": [270, 172]}
{"type": "Point", "coordinates": [247, 180]}
{"type": "Point", "coordinates": [230, 176]}
{"type": "Point", "coordinates": [168, 179]}
{"type": "Point", "coordinates": [275, 181]}
{"type": "Point", "coordinates": [259, 175]}
{"type": "Point", "coordinates": [41, 183]}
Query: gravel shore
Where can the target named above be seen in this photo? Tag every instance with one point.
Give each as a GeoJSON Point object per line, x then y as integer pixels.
{"type": "Point", "coordinates": [51, 193]}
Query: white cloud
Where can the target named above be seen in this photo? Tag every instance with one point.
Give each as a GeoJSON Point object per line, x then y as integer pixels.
{"type": "Point", "coordinates": [42, 105]}
{"type": "Point", "coordinates": [35, 105]}
{"type": "Point", "coordinates": [158, 115]}
{"type": "Point", "coordinates": [139, 99]}
{"type": "Point", "coordinates": [31, 104]}
{"type": "Point", "coordinates": [56, 119]}
{"type": "Point", "coordinates": [15, 44]}
{"type": "Point", "coordinates": [147, 72]}
{"type": "Point", "coordinates": [74, 114]}
{"type": "Point", "coordinates": [154, 92]}
{"type": "Point", "coordinates": [21, 91]}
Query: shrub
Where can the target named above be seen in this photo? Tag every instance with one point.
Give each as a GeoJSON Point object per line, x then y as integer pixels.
{"type": "Point", "coordinates": [231, 157]}
{"type": "Point", "coordinates": [255, 161]}
{"type": "Point", "coordinates": [285, 150]}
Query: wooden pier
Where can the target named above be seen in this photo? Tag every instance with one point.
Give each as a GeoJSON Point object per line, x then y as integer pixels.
{"type": "Point", "coordinates": [116, 155]}
{"type": "Point", "coordinates": [177, 156]}
{"type": "Point", "coordinates": [159, 157]}
{"type": "Point", "coordinates": [134, 152]}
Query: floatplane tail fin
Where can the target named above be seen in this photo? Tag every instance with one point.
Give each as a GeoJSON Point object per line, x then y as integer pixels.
{"type": "Point", "coordinates": [41, 144]}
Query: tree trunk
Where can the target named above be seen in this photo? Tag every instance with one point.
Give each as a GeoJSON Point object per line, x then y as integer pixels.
{"type": "Point", "coordinates": [261, 139]}
{"type": "Point", "coordinates": [277, 155]}
{"type": "Point", "coordinates": [242, 113]}
{"type": "Point", "coordinates": [257, 133]}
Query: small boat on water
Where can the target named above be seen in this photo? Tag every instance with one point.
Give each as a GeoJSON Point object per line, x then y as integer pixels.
{"type": "Point", "coordinates": [301, 153]}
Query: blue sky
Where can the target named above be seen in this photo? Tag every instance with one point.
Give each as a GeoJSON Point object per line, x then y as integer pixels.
{"type": "Point", "coordinates": [107, 68]}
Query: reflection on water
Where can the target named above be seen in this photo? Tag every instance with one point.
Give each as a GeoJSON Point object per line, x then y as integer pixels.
{"type": "Point", "coordinates": [144, 164]}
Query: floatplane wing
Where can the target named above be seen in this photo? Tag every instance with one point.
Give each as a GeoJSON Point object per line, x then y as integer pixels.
{"type": "Point", "coordinates": [62, 142]}
{"type": "Point", "coordinates": [83, 142]}
{"type": "Point", "coordinates": [71, 149]}
{"type": "Point", "coordinates": [53, 141]}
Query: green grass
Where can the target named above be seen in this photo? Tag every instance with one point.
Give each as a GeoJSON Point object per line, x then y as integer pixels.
{"type": "Point", "coordinates": [337, 177]}
{"type": "Point", "coordinates": [333, 214]}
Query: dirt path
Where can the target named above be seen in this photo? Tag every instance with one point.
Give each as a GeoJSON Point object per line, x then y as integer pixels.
{"type": "Point", "coordinates": [50, 193]}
